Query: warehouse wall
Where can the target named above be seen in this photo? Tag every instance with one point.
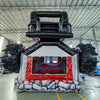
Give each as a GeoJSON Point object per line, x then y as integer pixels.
{"type": "Point", "coordinates": [90, 36]}
{"type": "Point", "coordinates": [3, 43]}
{"type": "Point", "coordinates": [73, 42]}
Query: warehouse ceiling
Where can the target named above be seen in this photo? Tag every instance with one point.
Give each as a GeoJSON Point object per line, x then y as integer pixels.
{"type": "Point", "coordinates": [84, 15]}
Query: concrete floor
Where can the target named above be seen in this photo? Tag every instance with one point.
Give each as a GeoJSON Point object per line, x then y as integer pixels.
{"type": "Point", "coordinates": [90, 91]}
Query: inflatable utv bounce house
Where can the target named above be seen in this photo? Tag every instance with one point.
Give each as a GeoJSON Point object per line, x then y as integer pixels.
{"type": "Point", "coordinates": [49, 65]}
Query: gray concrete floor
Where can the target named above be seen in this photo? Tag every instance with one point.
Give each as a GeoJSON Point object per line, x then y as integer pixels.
{"type": "Point", "coordinates": [90, 91]}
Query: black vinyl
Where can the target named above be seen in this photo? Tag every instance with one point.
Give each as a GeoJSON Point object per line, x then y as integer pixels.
{"type": "Point", "coordinates": [59, 44]}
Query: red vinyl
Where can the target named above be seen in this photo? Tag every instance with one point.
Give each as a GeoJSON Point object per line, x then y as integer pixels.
{"type": "Point", "coordinates": [29, 76]}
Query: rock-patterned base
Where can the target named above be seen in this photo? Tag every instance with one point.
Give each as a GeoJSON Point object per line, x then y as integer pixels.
{"type": "Point", "coordinates": [46, 85]}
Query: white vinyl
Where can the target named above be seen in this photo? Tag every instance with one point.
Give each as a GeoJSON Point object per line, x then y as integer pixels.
{"type": "Point", "coordinates": [49, 51]}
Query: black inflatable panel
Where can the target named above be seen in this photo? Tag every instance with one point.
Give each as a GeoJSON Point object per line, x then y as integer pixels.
{"type": "Point", "coordinates": [60, 29]}
{"type": "Point", "coordinates": [40, 44]}
{"type": "Point", "coordinates": [49, 35]}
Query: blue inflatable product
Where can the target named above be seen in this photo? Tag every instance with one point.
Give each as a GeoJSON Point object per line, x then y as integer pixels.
{"type": "Point", "coordinates": [0, 62]}
{"type": "Point", "coordinates": [83, 77]}
{"type": "Point", "coordinates": [97, 71]}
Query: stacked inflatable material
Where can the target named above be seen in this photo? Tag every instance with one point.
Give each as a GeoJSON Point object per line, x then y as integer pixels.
{"type": "Point", "coordinates": [87, 58]}
{"type": "Point", "coordinates": [11, 59]}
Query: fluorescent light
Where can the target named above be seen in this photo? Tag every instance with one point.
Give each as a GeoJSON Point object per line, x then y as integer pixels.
{"type": "Point", "coordinates": [70, 46]}
{"type": "Point", "coordinates": [18, 42]}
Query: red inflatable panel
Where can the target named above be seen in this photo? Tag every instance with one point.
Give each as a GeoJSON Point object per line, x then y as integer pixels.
{"type": "Point", "coordinates": [49, 77]}
{"type": "Point", "coordinates": [46, 68]}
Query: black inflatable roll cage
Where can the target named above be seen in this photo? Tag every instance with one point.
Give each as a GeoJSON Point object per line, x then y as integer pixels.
{"type": "Point", "coordinates": [61, 29]}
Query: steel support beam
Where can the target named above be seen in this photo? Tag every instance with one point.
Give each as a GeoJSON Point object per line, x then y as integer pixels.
{"type": "Point", "coordinates": [75, 7]}
{"type": "Point", "coordinates": [95, 42]}
{"type": "Point", "coordinates": [80, 40]}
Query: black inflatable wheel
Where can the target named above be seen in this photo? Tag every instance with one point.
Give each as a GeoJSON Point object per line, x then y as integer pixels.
{"type": "Point", "coordinates": [87, 58]}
